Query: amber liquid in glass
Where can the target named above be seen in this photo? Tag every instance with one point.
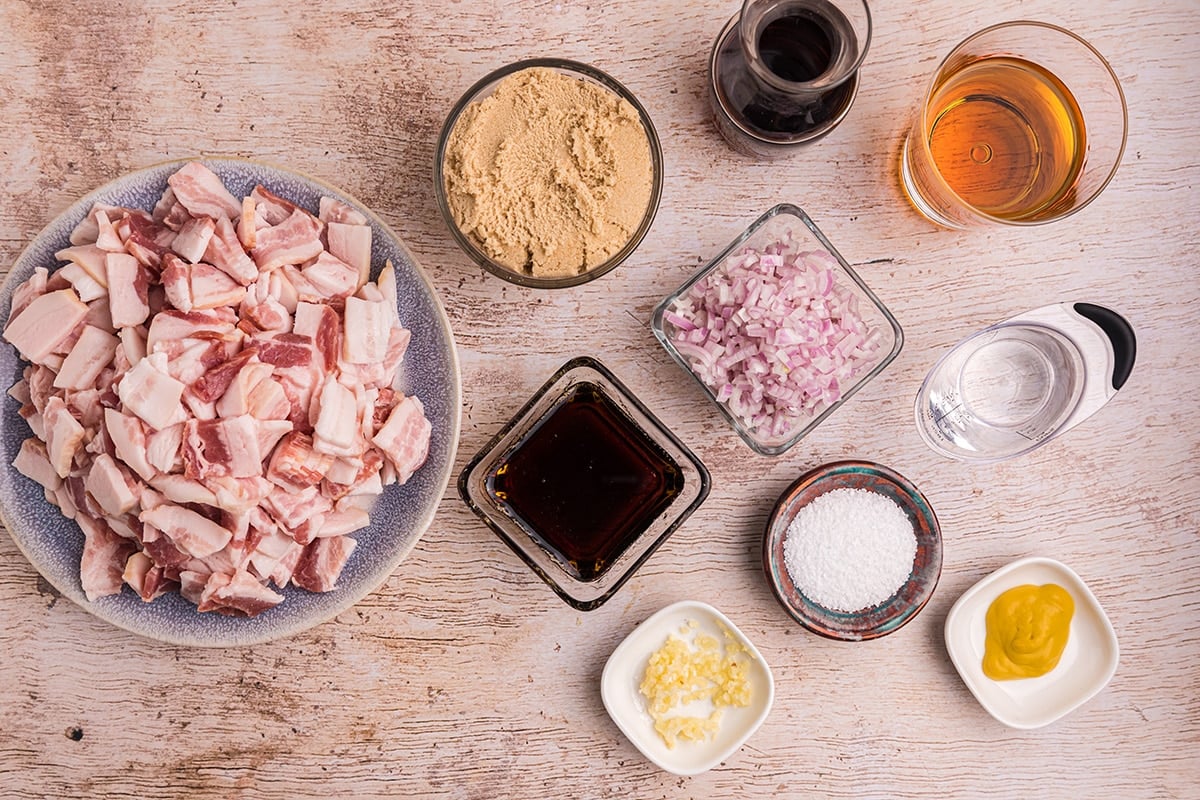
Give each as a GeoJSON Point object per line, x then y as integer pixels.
{"type": "Point", "coordinates": [1008, 138]}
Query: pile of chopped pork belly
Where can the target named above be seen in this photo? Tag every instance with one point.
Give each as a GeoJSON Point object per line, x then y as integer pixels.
{"type": "Point", "coordinates": [212, 392]}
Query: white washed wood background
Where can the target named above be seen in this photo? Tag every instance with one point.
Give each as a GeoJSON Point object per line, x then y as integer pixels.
{"type": "Point", "coordinates": [463, 676]}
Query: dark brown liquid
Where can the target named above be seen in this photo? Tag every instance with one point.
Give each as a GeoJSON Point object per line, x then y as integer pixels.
{"type": "Point", "coordinates": [585, 482]}
{"type": "Point", "coordinates": [799, 46]}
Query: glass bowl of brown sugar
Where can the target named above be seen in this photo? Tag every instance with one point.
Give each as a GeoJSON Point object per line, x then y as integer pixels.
{"type": "Point", "coordinates": [548, 173]}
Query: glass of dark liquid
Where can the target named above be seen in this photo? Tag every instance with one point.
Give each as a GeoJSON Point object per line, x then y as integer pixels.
{"type": "Point", "coordinates": [785, 72]}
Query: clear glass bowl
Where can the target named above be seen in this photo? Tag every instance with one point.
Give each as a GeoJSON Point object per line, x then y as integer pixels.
{"type": "Point", "coordinates": [482, 89]}
{"type": "Point", "coordinates": [782, 221]}
{"type": "Point", "coordinates": [496, 504]}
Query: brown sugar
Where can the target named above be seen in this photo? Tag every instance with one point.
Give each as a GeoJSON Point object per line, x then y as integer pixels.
{"type": "Point", "coordinates": [550, 175]}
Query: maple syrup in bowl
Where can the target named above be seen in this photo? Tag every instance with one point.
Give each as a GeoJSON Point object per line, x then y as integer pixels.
{"type": "Point", "coordinates": [584, 483]}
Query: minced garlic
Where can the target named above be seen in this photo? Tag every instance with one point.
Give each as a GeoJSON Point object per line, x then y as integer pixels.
{"type": "Point", "coordinates": [705, 669]}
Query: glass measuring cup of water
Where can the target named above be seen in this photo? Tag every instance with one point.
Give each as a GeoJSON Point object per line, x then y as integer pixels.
{"type": "Point", "coordinates": [1012, 387]}
{"type": "Point", "coordinates": [1000, 393]}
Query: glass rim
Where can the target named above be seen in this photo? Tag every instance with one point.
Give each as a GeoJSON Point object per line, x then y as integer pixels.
{"type": "Point", "coordinates": [934, 81]}
{"type": "Point", "coordinates": [823, 82]}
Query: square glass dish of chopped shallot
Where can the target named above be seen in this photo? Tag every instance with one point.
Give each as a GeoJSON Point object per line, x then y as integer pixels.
{"type": "Point", "coordinates": [778, 330]}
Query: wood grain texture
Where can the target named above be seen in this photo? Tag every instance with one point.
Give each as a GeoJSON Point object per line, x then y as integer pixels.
{"type": "Point", "coordinates": [463, 676]}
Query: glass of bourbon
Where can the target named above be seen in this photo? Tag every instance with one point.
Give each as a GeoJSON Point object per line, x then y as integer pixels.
{"type": "Point", "coordinates": [1024, 123]}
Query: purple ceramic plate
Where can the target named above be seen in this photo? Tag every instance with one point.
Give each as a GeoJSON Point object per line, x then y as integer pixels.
{"type": "Point", "coordinates": [53, 543]}
{"type": "Point", "coordinates": [909, 599]}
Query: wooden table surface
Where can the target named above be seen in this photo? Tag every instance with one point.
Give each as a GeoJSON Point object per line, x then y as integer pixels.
{"type": "Point", "coordinates": [463, 676]}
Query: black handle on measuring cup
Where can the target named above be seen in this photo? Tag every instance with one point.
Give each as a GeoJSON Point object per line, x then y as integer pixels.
{"type": "Point", "coordinates": [1120, 333]}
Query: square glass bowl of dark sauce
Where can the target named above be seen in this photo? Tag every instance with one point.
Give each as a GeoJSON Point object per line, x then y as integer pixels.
{"type": "Point", "coordinates": [584, 483]}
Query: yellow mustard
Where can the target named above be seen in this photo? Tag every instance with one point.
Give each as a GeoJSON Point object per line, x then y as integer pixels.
{"type": "Point", "coordinates": [1027, 630]}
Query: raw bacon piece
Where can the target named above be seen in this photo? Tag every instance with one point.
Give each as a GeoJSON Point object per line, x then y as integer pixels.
{"type": "Point", "coordinates": [92, 352]}
{"type": "Point", "coordinates": [285, 350]}
{"type": "Point", "coordinates": [200, 191]}
{"type": "Point", "coordinates": [351, 244]}
{"type": "Point", "coordinates": [226, 254]}
{"type": "Point", "coordinates": [247, 232]}
{"type": "Point", "coordinates": [215, 448]}
{"type": "Point", "coordinates": [343, 521]}
{"type": "Point", "coordinates": [87, 257]}
{"type": "Point", "coordinates": [239, 495]}
{"type": "Point", "coordinates": [193, 534]}
{"type": "Point", "coordinates": [33, 462]}
{"type": "Point", "coordinates": [106, 233]}
{"type": "Point", "coordinates": [161, 549]}
{"type": "Point", "coordinates": [332, 210]}
{"type": "Point", "coordinates": [162, 448]}
{"type": "Point", "coordinates": [236, 399]}
{"type": "Point", "coordinates": [64, 435]}
{"type": "Point", "coordinates": [148, 391]}
{"type": "Point", "coordinates": [295, 463]}
{"type": "Point", "coordinates": [102, 565]}
{"type": "Point", "coordinates": [24, 294]}
{"type": "Point", "coordinates": [322, 563]}
{"type": "Point", "coordinates": [170, 325]}
{"type": "Point", "coordinates": [193, 238]}
{"type": "Point", "coordinates": [87, 287]}
{"type": "Point", "coordinates": [404, 438]}
{"type": "Point", "coordinates": [275, 557]}
{"type": "Point", "coordinates": [331, 276]}
{"type": "Point", "coordinates": [398, 343]}
{"type": "Point", "coordinates": [199, 286]}
{"type": "Point", "coordinates": [216, 381]}
{"type": "Point", "coordinates": [212, 288]}
{"type": "Point", "coordinates": [129, 440]}
{"type": "Point", "coordinates": [270, 431]}
{"type": "Point", "coordinates": [147, 241]}
{"type": "Point", "coordinates": [180, 489]}
{"type": "Point", "coordinates": [89, 229]}
{"type": "Point", "coordinates": [337, 423]}
{"type": "Point", "coordinates": [43, 324]}
{"type": "Point", "coordinates": [146, 578]}
{"type": "Point", "coordinates": [240, 594]}
{"type": "Point", "coordinates": [293, 241]}
{"type": "Point", "coordinates": [368, 328]}
{"type": "Point", "coordinates": [106, 483]}
{"type": "Point", "coordinates": [389, 292]}
{"type": "Point", "coordinates": [267, 315]}
{"type": "Point", "coordinates": [128, 284]}
{"type": "Point", "coordinates": [320, 323]}
{"type": "Point", "coordinates": [273, 208]}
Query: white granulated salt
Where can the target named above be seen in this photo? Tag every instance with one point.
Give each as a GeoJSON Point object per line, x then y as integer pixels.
{"type": "Point", "coordinates": [849, 549]}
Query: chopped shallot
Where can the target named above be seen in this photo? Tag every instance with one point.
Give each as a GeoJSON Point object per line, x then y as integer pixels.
{"type": "Point", "coordinates": [212, 393]}
{"type": "Point", "coordinates": [773, 336]}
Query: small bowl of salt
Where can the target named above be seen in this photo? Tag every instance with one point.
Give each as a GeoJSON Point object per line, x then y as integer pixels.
{"type": "Point", "coordinates": [852, 550]}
